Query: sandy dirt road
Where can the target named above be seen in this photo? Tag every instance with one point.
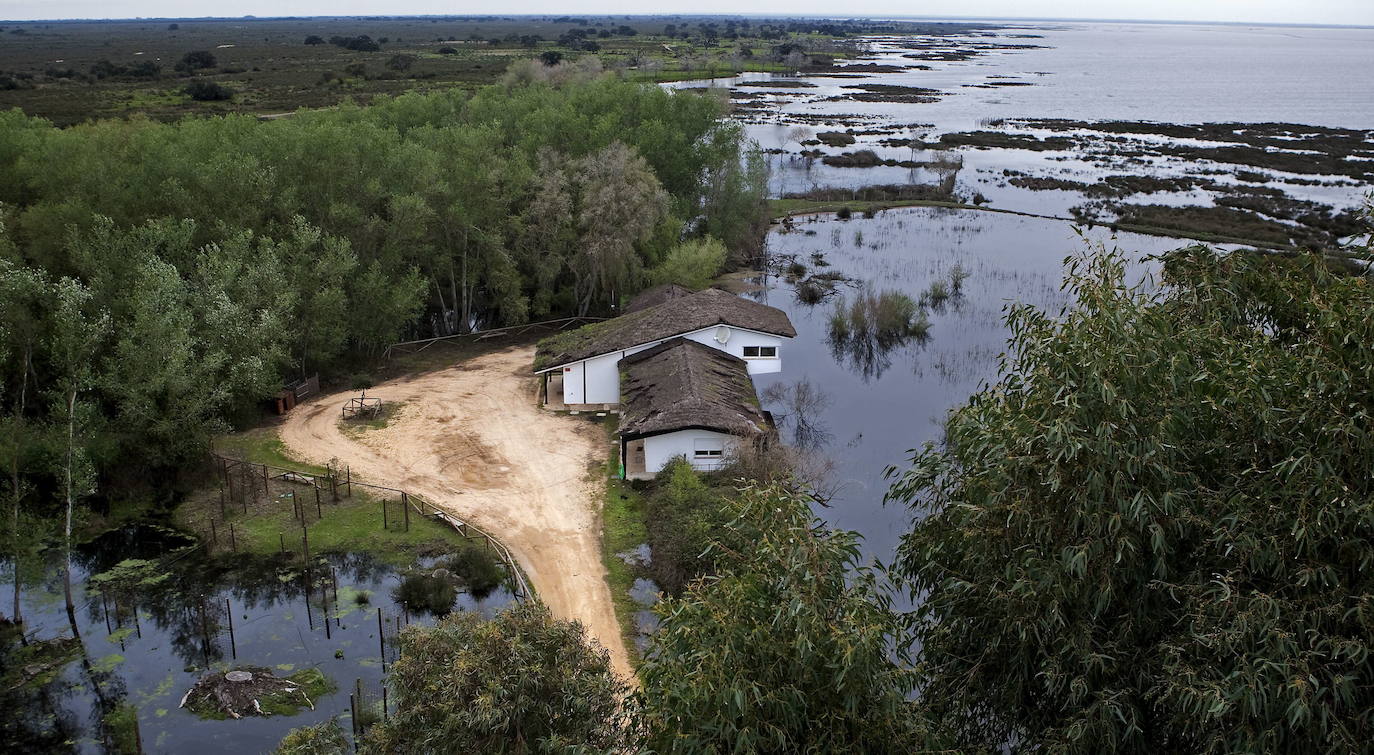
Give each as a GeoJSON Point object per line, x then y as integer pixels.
{"type": "Point", "coordinates": [471, 439]}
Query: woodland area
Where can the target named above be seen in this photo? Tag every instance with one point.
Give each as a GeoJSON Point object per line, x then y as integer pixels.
{"type": "Point", "coordinates": [160, 280]}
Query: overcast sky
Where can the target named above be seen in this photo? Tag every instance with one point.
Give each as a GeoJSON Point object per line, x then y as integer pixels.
{"type": "Point", "coordinates": [1254, 11]}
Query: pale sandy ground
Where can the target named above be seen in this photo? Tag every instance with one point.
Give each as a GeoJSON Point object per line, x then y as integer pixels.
{"type": "Point", "coordinates": [471, 439]}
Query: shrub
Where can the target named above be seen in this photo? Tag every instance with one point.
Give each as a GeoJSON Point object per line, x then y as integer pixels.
{"type": "Point", "coordinates": [936, 293]}
{"type": "Point", "coordinates": [471, 685]}
{"type": "Point", "coordinates": [196, 60]}
{"type": "Point", "coordinates": [478, 568]}
{"type": "Point", "coordinates": [325, 738]}
{"type": "Point", "coordinates": [844, 213]}
{"type": "Point", "coordinates": [314, 39]}
{"type": "Point", "coordinates": [401, 62]}
{"type": "Point", "coordinates": [447, 51]}
{"type": "Point", "coordinates": [684, 516]}
{"type": "Point", "coordinates": [551, 57]}
{"type": "Point", "coordinates": [694, 264]}
{"type": "Point", "coordinates": [201, 90]}
{"type": "Point", "coordinates": [957, 275]}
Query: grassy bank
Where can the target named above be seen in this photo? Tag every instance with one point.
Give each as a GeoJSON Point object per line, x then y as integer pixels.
{"type": "Point", "coordinates": [782, 208]}
{"type": "Point", "coordinates": [622, 529]}
{"type": "Point", "coordinates": [269, 522]}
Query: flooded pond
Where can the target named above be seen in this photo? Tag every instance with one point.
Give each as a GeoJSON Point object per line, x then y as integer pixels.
{"type": "Point", "coordinates": [146, 642]}
{"type": "Point", "coordinates": [879, 398]}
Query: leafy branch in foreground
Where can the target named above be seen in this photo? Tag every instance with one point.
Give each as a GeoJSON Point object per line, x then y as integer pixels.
{"type": "Point", "coordinates": [791, 647]}
{"type": "Point", "coordinates": [1156, 531]}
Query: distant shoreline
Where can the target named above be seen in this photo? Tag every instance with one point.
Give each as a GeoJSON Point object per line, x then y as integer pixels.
{"type": "Point", "coordinates": [688, 16]}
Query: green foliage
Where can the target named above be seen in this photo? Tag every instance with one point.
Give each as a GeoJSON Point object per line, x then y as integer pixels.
{"type": "Point", "coordinates": [522, 682]}
{"type": "Point", "coordinates": [196, 60]}
{"type": "Point", "coordinates": [1153, 533]}
{"type": "Point", "coordinates": [325, 738]}
{"type": "Point", "coordinates": [792, 647]}
{"type": "Point", "coordinates": [694, 264]}
{"type": "Point", "coordinates": [202, 90]}
{"type": "Point", "coordinates": [685, 516]}
{"type": "Point", "coordinates": [229, 253]}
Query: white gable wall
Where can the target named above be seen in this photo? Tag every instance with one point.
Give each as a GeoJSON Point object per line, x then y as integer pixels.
{"type": "Point", "coordinates": [660, 449]}
{"type": "Point", "coordinates": [597, 380]}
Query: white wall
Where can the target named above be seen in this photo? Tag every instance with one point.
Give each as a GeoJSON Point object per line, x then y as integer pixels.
{"type": "Point", "coordinates": [736, 342]}
{"type": "Point", "coordinates": [572, 383]}
{"type": "Point", "coordinates": [660, 449]}
{"type": "Point", "coordinates": [597, 380]}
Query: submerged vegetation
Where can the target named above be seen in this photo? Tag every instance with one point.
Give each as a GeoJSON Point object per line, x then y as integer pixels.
{"type": "Point", "coordinates": [864, 328]}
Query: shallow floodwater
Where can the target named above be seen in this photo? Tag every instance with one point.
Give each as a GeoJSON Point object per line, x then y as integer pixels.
{"type": "Point", "coordinates": [880, 403]}
{"type": "Point", "coordinates": [1164, 73]}
{"type": "Point", "coordinates": [182, 628]}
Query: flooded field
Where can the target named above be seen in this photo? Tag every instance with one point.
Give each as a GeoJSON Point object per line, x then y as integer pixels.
{"type": "Point", "coordinates": [880, 396]}
{"type": "Point", "coordinates": [1065, 120]}
{"type": "Point", "coordinates": [149, 630]}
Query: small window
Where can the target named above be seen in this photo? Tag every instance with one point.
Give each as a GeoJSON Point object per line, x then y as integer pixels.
{"type": "Point", "coordinates": [708, 448]}
{"type": "Point", "coordinates": [760, 352]}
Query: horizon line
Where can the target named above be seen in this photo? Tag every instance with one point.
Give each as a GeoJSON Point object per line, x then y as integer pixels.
{"type": "Point", "coordinates": [762, 16]}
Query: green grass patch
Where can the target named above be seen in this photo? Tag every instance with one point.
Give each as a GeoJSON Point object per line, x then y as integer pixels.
{"type": "Point", "coordinates": [356, 428]}
{"type": "Point", "coordinates": [262, 445]}
{"type": "Point", "coordinates": [312, 682]}
{"type": "Point", "coordinates": [353, 524]}
{"type": "Point", "coordinates": [622, 529]}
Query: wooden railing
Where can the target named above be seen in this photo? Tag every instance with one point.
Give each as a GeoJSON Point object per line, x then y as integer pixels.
{"type": "Point", "coordinates": [415, 347]}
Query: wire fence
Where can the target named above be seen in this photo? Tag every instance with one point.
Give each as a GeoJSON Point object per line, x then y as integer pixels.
{"type": "Point", "coordinates": [415, 347]}
{"type": "Point", "coordinates": [248, 485]}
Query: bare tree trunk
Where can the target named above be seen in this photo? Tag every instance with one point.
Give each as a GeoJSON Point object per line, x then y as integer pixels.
{"type": "Point", "coordinates": [14, 483]}
{"type": "Point", "coordinates": [444, 311]}
{"type": "Point", "coordinates": [67, 528]}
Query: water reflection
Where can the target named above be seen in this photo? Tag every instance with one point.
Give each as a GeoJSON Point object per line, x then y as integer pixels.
{"type": "Point", "coordinates": [865, 329]}
{"type": "Point", "coordinates": [887, 393]}
{"type": "Point", "coordinates": [153, 612]}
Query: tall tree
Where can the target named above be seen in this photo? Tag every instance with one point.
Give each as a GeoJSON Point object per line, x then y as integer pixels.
{"type": "Point", "coordinates": [791, 647]}
{"type": "Point", "coordinates": [23, 292]}
{"type": "Point", "coordinates": [77, 329]}
{"type": "Point", "coordinates": [1155, 533]}
{"type": "Point", "coordinates": [619, 206]}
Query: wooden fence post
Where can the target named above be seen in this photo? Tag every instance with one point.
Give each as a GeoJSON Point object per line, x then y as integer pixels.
{"type": "Point", "coordinates": [405, 505]}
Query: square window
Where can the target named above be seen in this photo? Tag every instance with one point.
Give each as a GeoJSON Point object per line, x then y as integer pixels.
{"type": "Point", "coordinates": [708, 449]}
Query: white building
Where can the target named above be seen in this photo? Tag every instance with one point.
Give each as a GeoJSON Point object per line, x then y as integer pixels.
{"type": "Point", "coordinates": [684, 398]}
{"type": "Point", "coordinates": [580, 367]}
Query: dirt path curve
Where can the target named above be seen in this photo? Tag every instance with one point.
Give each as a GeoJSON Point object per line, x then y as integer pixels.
{"type": "Point", "coordinates": [471, 439]}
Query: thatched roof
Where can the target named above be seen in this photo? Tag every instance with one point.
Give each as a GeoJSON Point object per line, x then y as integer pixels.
{"type": "Point", "coordinates": [674, 317]}
{"type": "Point", "coordinates": [681, 383]}
{"type": "Point", "coordinates": [652, 297]}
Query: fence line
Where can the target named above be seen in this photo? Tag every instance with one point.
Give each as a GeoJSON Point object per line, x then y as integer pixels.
{"type": "Point", "coordinates": [415, 347]}
{"type": "Point", "coordinates": [337, 485]}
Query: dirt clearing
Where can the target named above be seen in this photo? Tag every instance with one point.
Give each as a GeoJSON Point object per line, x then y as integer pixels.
{"type": "Point", "coordinates": [470, 439]}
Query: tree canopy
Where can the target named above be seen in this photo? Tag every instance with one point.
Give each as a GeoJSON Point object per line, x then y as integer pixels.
{"type": "Point", "coordinates": [522, 682]}
{"type": "Point", "coordinates": [230, 253]}
{"type": "Point", "coordinates": [1155, 532]}
{"type": "Point", "coordinates": [790, 647]}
